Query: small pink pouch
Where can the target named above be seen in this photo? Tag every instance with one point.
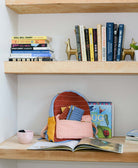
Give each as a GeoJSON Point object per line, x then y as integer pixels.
{"type": "Point", "coordinates": [70, 129]}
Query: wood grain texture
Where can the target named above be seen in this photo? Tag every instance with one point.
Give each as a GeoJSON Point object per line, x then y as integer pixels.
{"type": "Point", "coordinates": [11, 149]}
{"type": "Point", "coordinates": [71, 67]}
{"type": "Point", "coordinates": [71, 6]}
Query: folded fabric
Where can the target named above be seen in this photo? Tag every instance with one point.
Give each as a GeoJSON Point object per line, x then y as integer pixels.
{"type": "Point", "coordinates": [75, 113]}
{"type": "Point", "coordinates": [64, 114]}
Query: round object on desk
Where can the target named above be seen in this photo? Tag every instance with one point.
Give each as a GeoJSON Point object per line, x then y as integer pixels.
{"type": "Point", "coordinates": [25, 136]}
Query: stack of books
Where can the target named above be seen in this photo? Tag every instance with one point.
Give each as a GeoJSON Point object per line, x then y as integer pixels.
{"type": "Point", "coordinates": [31, 48]}
{"type": "Point", "coordinates": [104, 43]}
{"type": "Point", "coordinates": [132, 135]}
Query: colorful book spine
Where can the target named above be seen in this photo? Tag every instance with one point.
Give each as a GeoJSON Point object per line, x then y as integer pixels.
{"type": "Point", "coordinates": [95, 44]}
{"type": "Point", "coordinates": [99, 41]}
{"type": "Point", "coordinates": [91, 44]}
{"type": "Point", "coordinates": [87, 43]}
{"type": "Point", "coordinates": [29, 55]}
{"type": "Point", "coordinates": [103, 43]}
{"type": "Point", "coordinates": [30, 48]}
{"type": "Point", "coordinates": [77, 31]}
{"type": "Point", "coordinates": [83, 46]}
{"type": "Point", "coordinates": [109, 40]}
{"type": "Point", "coordinates": [115, 41]}
{"type": "Point", "coordinates": [120, 40]}
{"type": "Point", "coordinates": [32, 38]}
{"type": "Point", "coordinates": [28, 45]}
{"type": "Point", "coordinates": [28, 41]}
{"type": "Point", "coordinates": [31, 52]}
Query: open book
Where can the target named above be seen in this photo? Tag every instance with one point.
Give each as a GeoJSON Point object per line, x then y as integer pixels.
{"type": "Point", "coordinates": [74, 145]}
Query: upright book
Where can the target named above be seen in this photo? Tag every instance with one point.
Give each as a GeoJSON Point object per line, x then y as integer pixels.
{"type": "Point", "coordinates": [120, 41]}
{"type": "Point", "coordinates": [91, 44]}
{"type": "Point", "coordinates": [102, 117]}
{"type": "Point", "coordinates": [115, 41]}
{"type": "Point", "coordinates": [99, 41]}
{"type": "Point", "coordinates": [109, 41]}
{"type": "Point", "coordinates": [95, 44]}
{"type": "Point", "coordinates": [87, 43]}
{"type": "Point", "coordinates": [103, 43]}
{"type": "Point", "coordinates": [77, 32]}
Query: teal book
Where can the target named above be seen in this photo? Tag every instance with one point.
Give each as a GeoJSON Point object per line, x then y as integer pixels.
{"type": "Point", "coordinates": [101, 114]}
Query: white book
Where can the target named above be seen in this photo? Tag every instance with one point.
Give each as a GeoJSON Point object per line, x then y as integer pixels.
{"type": "Point", "coordinates": [82, 41]}
{"type": "Point", "coordinates": [103, 43]}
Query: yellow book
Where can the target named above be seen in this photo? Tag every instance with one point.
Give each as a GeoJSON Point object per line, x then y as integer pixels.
{"type": "Point", "coordinates": [32, 38]}
{"type": "Point", "coordinates": [28, 41]}
{"type": "Point", "coordinates": [91, 44]}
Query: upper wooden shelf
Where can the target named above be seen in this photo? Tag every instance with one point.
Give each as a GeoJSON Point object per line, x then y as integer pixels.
{"type": "Point", "coordinates": [71, 6]}
{"type": "Point", "coordinates": [71, 67]}
{"type": "Point", "coordinates": [11, 149]}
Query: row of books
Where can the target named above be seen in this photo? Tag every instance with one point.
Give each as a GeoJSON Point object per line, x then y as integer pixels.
{"type": "Point", "coordinates": [101, 44]}
{"type": "Point", "coordinates": [31, 48]}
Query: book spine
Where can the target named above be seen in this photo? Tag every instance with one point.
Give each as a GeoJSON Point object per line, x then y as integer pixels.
{"type": "Point", "coordinates": [109, 40]}
{"type": "Point", "coordinates": [27, 41]}
{"type": "Point", "coordinates": [82, 40]}
{"type": "Point", "coordinates": [99, 41]}
{"type": "Point", "coordinates": [120, 40]}
{"type": "Point", "coordinates": [27, 45]}
{"type": "Point", "coordinates": [91, 44]}
{"type": "Point", "coordinates": [31, 52]}
{"type": "Point", "coordinates": [29, 55]}
{"type": "Point", "coordinates": [31, 59]}
{"type": "Point", "coordinates": [30, 48]}
{"type": "Point", "coordinates": [77, 31]}
{"type": "Point", "coordinates": [95, 44]}
{"type": "Point", "coordinates": [87, 43]}
{"type": "Point", "coordinates": [32, 38]}
{"type": "Point", "coordinates": [115, 41]}
{"type": "Point", "coordinates": [103, 43]}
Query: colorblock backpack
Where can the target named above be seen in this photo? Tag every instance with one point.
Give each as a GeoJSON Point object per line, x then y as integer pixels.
{"type": "Point", "coordinates": [69, 117]}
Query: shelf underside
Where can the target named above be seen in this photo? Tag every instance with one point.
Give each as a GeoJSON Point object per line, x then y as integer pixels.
{"type": "Point", "coordinates": [71, 67]}
{"type": "Point", "coordinates": [11, 149]}
{"type": "Point", "coordinates": [71, 6]}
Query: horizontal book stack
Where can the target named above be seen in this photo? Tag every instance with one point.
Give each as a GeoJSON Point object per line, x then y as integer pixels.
{"type": "Point", "coordinates": [31, 48]}
{"type": "Point", "coordinates": [103, 43]}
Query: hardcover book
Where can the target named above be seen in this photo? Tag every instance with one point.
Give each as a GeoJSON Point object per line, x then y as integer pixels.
{"type": "Point", "coordinates": [109, 40]}
{"type": "Point", "coordinates": [115, 41]}
{"type": "Point", "coordinates": [102, 116]}
{"type": "Point", "coordinates": [99, 41]}
{"type": "Point", "coordinates": [95, 44]}
{"type": "Point", "coordinates": [120, 41]}
{"type": "Point", "coordinates": [91, 44]}
{"type": "Point", "coordinates": [77, 31]}
{"type": "Point", "coordinates": [87, 43]}
{"type": "Point", "coordinates": [103, 43]}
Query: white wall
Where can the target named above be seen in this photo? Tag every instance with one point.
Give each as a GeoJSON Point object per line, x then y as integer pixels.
{"type": "Point", "coordinates": [8, 83]}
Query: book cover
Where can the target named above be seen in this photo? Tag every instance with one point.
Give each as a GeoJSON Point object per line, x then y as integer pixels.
{"type": "Point", "coordinates": [115, 41]}
{"type": "Point", "coordinates": [28, 41]}
{"type": "Point", "coordinates": [109, 41]}
{"type": "Point", "coordinates": [99, 41]}
{"type": "Point", "coordinates": [91, 44]}
{"type": "Point", "coordinates": [30, 55]}
{"type": "Point", "coordinates": [101, 113]}
{"type": "Point", "coordinates": [103, 43]}
{"type": "Point", "coordinates": [87, 43]}
{"type": "Point", "coordinates": [83, 46]}
{"type": "Point", "coordinates": [77, 32]}
{"type": "Point", "coordinates": [31, 52]}
{"type": "Point", "coordinates": [95, 44]}
{"type": "Point", "coordinates": [120, 41]}
{"type": "Point", "coordinates": [28, 45]}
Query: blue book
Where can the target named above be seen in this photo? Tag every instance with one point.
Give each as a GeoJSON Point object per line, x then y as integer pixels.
{"type": "Point", "coordinates": [102, 115]}
{"type": "Point", "coordinates": [110, 41]}
{"type": "Point", "coordinates": [31, 52]}
{"type": "Point", "coordinates": [120, 40]}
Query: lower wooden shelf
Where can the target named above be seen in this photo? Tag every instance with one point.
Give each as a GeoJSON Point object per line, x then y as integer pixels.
{"type": "Point", "coordinates": [11, 149]}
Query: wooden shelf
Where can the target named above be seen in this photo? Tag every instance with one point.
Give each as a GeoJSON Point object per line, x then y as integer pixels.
{"type": "Point", "coordinates": [71, 67]}
{"type": "Point", "coordinates": [71, 6]}
{"type": "Point", "coordinates": [11, 149]}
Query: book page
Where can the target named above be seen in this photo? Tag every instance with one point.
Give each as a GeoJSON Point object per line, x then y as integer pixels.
{"type": "Point", "coordinates": [54, 145]}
